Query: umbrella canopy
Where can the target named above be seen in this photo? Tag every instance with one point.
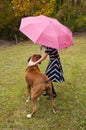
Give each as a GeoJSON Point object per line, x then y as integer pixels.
{"type": "Point", "coordinates": [46, 31]}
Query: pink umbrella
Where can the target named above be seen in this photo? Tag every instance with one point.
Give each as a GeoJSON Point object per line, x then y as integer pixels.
{"type": "Point", "coordinates": [46, 31]}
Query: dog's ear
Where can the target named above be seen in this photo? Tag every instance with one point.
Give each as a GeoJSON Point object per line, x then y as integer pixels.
{"type": "Point", "coordinates": [29, 59]}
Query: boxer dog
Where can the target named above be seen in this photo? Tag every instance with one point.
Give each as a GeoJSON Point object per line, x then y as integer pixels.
{"type": "Point", "coordinates": [39, 83]}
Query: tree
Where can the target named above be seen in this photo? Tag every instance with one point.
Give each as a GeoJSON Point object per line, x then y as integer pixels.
{"type": "Point", "coordinates": [33, 7]}
{"type": "Point", "coordinates": [68, 12]}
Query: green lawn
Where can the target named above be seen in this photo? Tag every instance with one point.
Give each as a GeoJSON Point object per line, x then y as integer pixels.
{"type": "Point", "coordinates": [71, 99]}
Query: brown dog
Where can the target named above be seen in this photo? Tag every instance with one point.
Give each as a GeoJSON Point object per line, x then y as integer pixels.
{"type": "Point", "coordinates": [39, 82]}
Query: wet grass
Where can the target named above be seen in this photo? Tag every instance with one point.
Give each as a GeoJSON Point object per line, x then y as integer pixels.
{"type": "Point", "coordinates": [71, 99]}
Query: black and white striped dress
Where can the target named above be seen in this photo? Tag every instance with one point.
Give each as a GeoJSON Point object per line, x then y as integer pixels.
{"type": "Point", "coordinates": [54, 69]}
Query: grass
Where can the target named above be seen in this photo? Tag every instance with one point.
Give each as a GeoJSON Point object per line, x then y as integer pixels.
{"type": "Point", "coordinates": [71, 99]}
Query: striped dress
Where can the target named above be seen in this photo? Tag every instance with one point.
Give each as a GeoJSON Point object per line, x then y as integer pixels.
{"type": "Point", "coordinates": [54, 69]}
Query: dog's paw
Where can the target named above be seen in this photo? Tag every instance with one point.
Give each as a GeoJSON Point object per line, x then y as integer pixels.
{"type": "Point", "coordinates": [27, 100]}
{"type": "Point", "coordinates": [29, 116]}
{"type": "Point", "coordinates": [54, 111]}
{"type": "Point", "coordinates": [38, 98]}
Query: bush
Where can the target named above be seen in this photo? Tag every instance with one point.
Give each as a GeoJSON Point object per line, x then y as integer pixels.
{"type": "Point", "coordinates": [80, 24]}
{"type": "Point", "coordinates": [14, 10]}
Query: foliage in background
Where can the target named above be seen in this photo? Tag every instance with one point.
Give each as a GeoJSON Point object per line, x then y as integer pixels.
{"type": "Point", "coordinates": [30, 8]}
{"type": "Point", "coordinates": [8, 22]}
{"type": "Point", "coordinates": [71, 12]}
{"type": "Point", "coordinates": [68, 12]}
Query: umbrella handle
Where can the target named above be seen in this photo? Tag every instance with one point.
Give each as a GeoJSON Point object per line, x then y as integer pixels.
{"type": "Point", "coordinates": [40, 49]}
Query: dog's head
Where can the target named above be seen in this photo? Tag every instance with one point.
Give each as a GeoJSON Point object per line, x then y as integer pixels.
{"type": "Point", "coordinates": [34, 57]}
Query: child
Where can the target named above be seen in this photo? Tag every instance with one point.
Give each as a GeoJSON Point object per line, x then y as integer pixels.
{"type": "Point", "coordinates": [54, 69]}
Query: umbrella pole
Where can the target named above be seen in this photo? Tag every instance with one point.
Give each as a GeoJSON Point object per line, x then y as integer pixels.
{"type": "Point", "coordinates": [40, 49]}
